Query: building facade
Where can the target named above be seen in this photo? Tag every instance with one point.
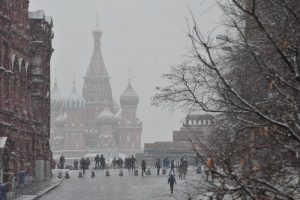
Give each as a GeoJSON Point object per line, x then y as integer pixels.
{"type": "Point", "coordinates": [25, 52]}
{"type": "Point", "coordinates": [93, 122]}
{"type": "Point", "coordinates": [196, 128]}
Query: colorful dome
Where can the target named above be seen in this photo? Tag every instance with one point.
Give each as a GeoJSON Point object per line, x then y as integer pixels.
{"type": "Point", "coordinates": [129, 96]}
{"type": "Point", "coordinates": [56, 98]}
{"type": "Point", "coordinates": [74, 101]}
{"type": "Point", "coordinates": [106, 116]}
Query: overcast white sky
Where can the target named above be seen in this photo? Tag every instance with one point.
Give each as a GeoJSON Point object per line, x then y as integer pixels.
{"type": "Point", "coordinates": [146, 36]}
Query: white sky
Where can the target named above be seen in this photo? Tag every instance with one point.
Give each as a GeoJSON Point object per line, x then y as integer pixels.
{"type": "Point", "coordinates": [145, 36]}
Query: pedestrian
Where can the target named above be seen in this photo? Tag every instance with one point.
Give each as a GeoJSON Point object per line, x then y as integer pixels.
{"type": "Point", "coordinates": [82, 165]}
{"type": "Point", "coordinates": [210, 166]}
{"type": "Point", "coordinates": [61, 161]}
{"type": "Point", "coordinates": [132, 163]}
{"type": "Point", "coordinates": [102, 162]}
{"type": "Point", "coordinates": [87, 163]}
{"type": "Point", "coordinates": [75, 164]}
{"type": "Point", "coordinates": [97, 161]}
{"type": "Point", "coordinates": [158, 166]}
{"type": "Point", "coordinates": [144, 167]}
{"type": "Point", "coordinates": [171, 181]}
{"type": "Point", "coordinates": [172, 167]}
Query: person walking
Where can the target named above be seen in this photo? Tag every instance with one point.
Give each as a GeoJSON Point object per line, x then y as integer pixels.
{"type": "Point", "coordinates": [75, 164]}
{"type": "Point", "coordinates": [132, 163]}
{"type": "Point", "coordinates": [144, 167]}
{"type": "Point", "coordinates": [172, 167]}
{"type": "Point", "coordinates": [97, 161]}
{"type": "Point", "coordinates": [61, 161]}
{"type": "Point", "coordinates": [82, 165]}
{"type": "Point", "coordinates": [211, 167]}
{"type": "Point", "coordinates": [102, 162]}
{"type": "Point", "coordinates": [87, 163]}
{"type": "Point", "coordinates": [171, 182]}
{"type": "Point", "coordinates": [158, 166]}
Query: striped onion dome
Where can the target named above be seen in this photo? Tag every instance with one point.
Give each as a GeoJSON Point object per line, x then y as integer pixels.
{"type": "Point", "coordinates": [129, 96]}
{"type": "Point", "coordinates": [106, 116]}
{"type": "Point", "coordinates": [56, 98]}
{"type": "Point", "coordinates": [74, 101]}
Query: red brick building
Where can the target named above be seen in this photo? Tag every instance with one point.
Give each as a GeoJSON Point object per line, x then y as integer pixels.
{"type": "Point", "coordinates": [25, 52]}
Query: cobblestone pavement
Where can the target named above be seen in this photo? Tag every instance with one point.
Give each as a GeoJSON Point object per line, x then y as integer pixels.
{"type": "Point", "coordinates": [114, 187]}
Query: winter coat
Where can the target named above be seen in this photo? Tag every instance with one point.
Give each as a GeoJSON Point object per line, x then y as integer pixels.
{"type": "Point", "coordinates": [171, 179]}
{"type": "Point", "coordinates": [157, 164]}
{"type": "Point", "coordinates": [210, 163]}
{"type": "Point", "coordinates": [143, 164]}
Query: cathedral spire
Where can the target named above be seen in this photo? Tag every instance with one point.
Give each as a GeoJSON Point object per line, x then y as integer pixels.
{"type": "Point", "coordinates": [97, 66]}
{"type": "Point", "coordinates": [96, 87]}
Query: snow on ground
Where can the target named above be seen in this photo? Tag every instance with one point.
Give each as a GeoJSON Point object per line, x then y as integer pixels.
{"type": "Point", "coordinates": [114, 187]}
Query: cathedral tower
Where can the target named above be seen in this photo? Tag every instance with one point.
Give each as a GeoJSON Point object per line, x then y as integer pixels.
{"type": "Point", "coordinates": [96, 88]}
{"type": "Point", "coordinates": [130, 127]}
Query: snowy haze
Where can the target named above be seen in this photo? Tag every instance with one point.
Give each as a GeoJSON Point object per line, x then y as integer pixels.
{"type": "Point", "coordinates": [145, 36]}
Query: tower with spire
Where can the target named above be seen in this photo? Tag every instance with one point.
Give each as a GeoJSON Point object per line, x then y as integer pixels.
{"type": "Point", "coordinates": [96, 88]}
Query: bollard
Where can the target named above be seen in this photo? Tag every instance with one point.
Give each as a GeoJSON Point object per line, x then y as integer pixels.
{"type": "Point", "coordinates": [93, 174]}
{"type": "Point", "coordinates": [136, 172]}
{"type": "Point", "coordinates": [107, 172]}
{"type": "Point", "coordinates": [121, 172]}
{"type": "Point", "coordinates": [80, 174]}
{"type": "Point", "coordinates": [148, 171]}
{"type": "Point", "coordinates": [67, 174]}
{"type": "Point", "coordinates": [60, 174]}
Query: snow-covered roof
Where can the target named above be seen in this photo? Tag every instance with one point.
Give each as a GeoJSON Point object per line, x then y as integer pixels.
{"type": "Point", "coordinates": [106, 115]}
{"type": "Point", "coordinates": [39, 14]}
{"type": "Point", "coordinates": [61, 118]}
{"type": "Point", "coordinates": [48, 19]}
{"type": "Point", "coordinates": [2, 142]}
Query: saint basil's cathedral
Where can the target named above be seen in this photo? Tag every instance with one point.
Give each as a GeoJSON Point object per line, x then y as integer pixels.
{"type": "Point", "coordinates": [93, 123]}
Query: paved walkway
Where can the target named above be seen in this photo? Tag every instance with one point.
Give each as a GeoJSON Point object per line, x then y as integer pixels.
{"type": "Point", "coordinates": [36, 189]}
{"type": "Point", "coordinates": [114, 187]}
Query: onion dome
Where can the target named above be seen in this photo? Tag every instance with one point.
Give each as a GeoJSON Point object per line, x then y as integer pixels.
{"type": "Point", "coordinates": [56, 98]}
{"type": "Point", "coordinates": [106, 116]}
{"type": "Point", "coordinates": [129, 96]}
{"type": "Point", "coordinates": [61, 119]}
{"type": "Point", "coordinates": [74, 101]}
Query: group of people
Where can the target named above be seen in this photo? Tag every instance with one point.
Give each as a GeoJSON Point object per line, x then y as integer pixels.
{"type": "Point", "coordinates": [100, 162]}
{"type": "Point", "coordinates": [127, 163]}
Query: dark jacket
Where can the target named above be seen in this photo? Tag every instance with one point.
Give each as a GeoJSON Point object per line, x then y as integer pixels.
{"type": "Point", "coordinates": [171, 179]}
{"type": "Point", "coordinates": [158, 164]}
{"type": "Point", "coordinates": [143, 164]}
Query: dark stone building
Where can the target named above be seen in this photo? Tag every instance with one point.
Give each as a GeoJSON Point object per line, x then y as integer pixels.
{"type": "Point", "coordinates": [25, 52]}
{"type": "Point", "coordinates": [195, 126]}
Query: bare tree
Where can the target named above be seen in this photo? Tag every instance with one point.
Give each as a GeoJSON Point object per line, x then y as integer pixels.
{"type": "Point", "coordinates": [251, 81]}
